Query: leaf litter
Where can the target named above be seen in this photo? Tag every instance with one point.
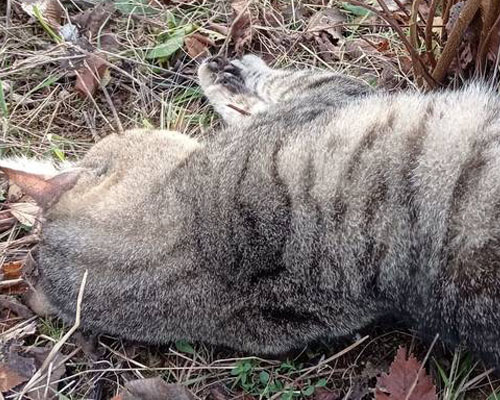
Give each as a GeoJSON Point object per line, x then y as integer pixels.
{"type": "Point", "coordinates": [406, 380]}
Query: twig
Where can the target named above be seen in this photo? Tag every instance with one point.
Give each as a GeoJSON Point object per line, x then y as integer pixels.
{"type": "Point", "coordinates": [113, 109]}
{"type": "Point", "coordinates": [413, 53]}
{"type": "Point", "coordinates": [482, 53]}
{"type": "Point", "coordinates": [11, 282]}
{"type": "Point", "coordinates": [314, 367]}
{"type": "Point", "coordinates": [446, 16]}
{"type": "Point", "coordinates": [413, 24]}
{"type": "Point", "coordinates": [8, 13]}
{"type": "Point", "coordinates": [476, 379]}
{"type": "Point", "coordinates": [414, 39]}
{"type": "Point", "coordinates": [61, 342]}
{"type": "Point", "coordinates": [449, 51]}
{"type": "Point", "coordinates": [428, 31]}
{"type": "Point", "coordinates": [223, 48]}
{"type": "Point", "coordinates": [488, 9]}
{"type": "Point", "coordinates": [91, 126]}
{"type": "Point", "coordinates": [240, 110]}
{"type": "Point", "coordinates": [403, 9]}
{"type": "Point", "coordinates": [414, 385]}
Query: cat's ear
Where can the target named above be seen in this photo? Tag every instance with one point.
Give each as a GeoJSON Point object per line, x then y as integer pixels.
{"type": "Point", "coordinates": [45, 191]}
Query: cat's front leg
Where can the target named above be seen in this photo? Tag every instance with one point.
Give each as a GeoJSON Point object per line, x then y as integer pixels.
{"type": "Point", "coordinates": [230, 87]}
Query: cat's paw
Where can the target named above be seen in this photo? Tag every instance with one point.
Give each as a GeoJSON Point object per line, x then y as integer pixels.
{"type": "Point", "coordinates": [221, 71]}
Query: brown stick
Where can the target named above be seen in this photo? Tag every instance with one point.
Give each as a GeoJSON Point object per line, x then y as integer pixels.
{"type": "Point", "coordinates": [428, 31]}
{"type": "Point", "coordinates": [449, 51]}
{"type": "Point", "coordinates": [413, 24]}
{"type": "Point", "coordinates": [240, 110]}
{"type": "Point", "coordinates": [446, 16]}
{"type": "Point", "coordinates": [414, 39]}
{"type": "Point", "coordinates": [489, 15]}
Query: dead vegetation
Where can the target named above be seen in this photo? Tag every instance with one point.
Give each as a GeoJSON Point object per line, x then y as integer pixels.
{"type": "Point", "coordinates": [74, 71]}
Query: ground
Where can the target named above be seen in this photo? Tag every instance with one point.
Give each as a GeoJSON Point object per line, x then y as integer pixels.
{"type": "Point", "coordinates": [132, 63]}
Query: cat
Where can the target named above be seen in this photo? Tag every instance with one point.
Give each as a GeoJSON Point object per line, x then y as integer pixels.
{"type": "Point", "coordinates": [320, 207]}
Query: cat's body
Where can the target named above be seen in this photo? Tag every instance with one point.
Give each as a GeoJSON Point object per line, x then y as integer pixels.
{"type": "Point", "coordinates": [326, 208]}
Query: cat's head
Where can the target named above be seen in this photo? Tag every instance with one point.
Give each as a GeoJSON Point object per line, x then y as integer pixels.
{"type": "Point", "coordinates": [112, 170]}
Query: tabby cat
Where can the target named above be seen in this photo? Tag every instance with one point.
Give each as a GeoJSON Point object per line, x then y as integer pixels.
{"type": "Point", "coordinates": [322, 206]}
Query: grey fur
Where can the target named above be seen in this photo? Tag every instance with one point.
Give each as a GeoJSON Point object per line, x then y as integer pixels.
{"type": "Point", "coordinates": [327, 207]}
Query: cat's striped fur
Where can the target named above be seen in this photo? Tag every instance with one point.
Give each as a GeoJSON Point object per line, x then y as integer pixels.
{"type": "Point", "coordinates": [328, 206]}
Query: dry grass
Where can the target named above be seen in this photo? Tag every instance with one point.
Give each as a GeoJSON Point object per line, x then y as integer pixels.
{"type": "Point", "coordinates": [43, 116]}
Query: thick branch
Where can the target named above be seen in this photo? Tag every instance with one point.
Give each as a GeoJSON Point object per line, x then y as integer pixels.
{"type": "Point", "coordinates": [450, 49]}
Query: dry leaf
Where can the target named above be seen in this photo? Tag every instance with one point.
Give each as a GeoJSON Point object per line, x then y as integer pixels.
{"type": "Point", "coordinates": [241, 29]}
{"type": "Point", "coordinates": [153, 389]}
{"type": "Point", "coordinates": [7, 221]}
{"type": "Point", "coordinates": [16, 334]}
{"type": "Point", "coordinates": [57, 371]}
{"type": "Point", "coordinates": [50, 10]}
{"type": "Point", "coordinates": [108, 41]}
{"type": "Point", "coordinates": [217, 392]}
{"type": "Point", "coordinates": [14, 194]}
{"type": "Point", "coordinates": [20, 364]}
{"type": "Point", "coordinates": [396, 385]}
{"type": "Point", "coordinates": [356, 48]}
{"type": "Point", "coordinates": [12, 304]}
{"type": "Point", "coordinates": [325, 394]}
{"type": "Point", "coordinates": [25, 213]}
{"type": "Point", "coordinates": [12, 270]}
{"type": "Point", "coordinates": [393, 5]}
{"type": "Point", "coordinates": [90, 75]}
{"type": "Point", "coordinates": [9, 378]}
{"type": "Point", "coordinates": [197, 45]}
{"type": "Point", "coordinates": [91, 21]}
{"type": "Point", "coordinates": [14, 369]}
{"type": "Point", "coordinates": [325, 28]}
{"type": "Point", "coordinates": [328, 20]}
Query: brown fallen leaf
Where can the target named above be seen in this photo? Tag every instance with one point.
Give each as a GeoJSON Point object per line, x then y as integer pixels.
{"type": "Point", "coordinates": [328, 20]}
{"type": "Point", "coordinates": [12, 270]}
{"type": "Point", "coordinates": [153, 389]}
{"type": "Point", "coordinates": [12, 304]}
{"type": "Point", "coordinates": [218, 392]}
{"type": "Point", "coordinates": [50, 10]}
{"type": "Point", "coordinates": [49, 389]}
{"type": "Point", "coordinates": [90, 75]}
{"type": "Point", "coordinates": [241, 29]}
{"type": "Point", "coordinates": [14, 369]}
{"type": "Point", "coordinates": [197, 45]}
{"type": "Point", "coordinates": [325, 394]}
{"type": "Point", "coordinates": [91, 21]}
{"type": "Point", "coordinates": [9, 378]}
{"type": "Point", "coordinates": [325, 28]}
{"type": "Point", "coordinates": [108, 41]}
{"type": "Point", "coordinates": [400, 381]}
{"type": "Point", "coordinates": [7, 221]}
